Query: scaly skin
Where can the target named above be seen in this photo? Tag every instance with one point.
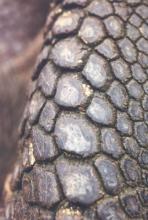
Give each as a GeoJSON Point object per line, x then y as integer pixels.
{"type": "Point", "coordinates": [84, 134]}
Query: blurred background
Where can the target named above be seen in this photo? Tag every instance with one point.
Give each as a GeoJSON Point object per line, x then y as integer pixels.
{"type": "Point", "coordinates": [21, 36]}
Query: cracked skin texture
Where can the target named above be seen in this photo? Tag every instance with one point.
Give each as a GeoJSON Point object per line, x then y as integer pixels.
{"type": "Point", "coordinates": [88, 158]}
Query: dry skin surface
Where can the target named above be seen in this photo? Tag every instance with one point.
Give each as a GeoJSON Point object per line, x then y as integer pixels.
{"type": "Point", "coordinates": [84, 135]}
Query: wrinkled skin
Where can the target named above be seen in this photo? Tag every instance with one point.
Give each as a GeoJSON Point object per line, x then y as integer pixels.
{"type": "Point", "coordinates": [21, 25]}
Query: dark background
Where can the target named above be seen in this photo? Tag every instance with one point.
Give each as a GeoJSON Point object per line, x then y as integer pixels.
{"type": "Point", "coordinates": [20, 24]}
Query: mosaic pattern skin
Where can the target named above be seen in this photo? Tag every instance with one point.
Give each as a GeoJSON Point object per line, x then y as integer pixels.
{"type": "Point", "coordinates": [84, 134]}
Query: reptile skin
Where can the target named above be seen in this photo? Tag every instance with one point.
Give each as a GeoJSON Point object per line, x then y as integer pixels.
{"type": "Point", "coordinates": [83, 149]}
